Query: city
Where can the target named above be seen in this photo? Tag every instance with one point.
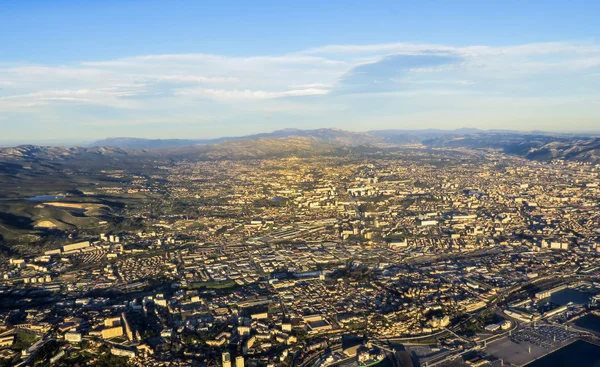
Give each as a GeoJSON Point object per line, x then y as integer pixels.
{"type": "Point", "coordinates": [433, 257]}
{"type": "Point", "coordinates": [314, 183]}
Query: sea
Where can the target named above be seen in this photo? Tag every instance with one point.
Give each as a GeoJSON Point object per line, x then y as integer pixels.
{"type": "Point", "coordinates": [578, 353]}
{"type": "Point", "coordinates": [590, 322]}
{"type": "Point", "coordinates": [46, 197]}
{"type": "Point", "coordinates": [570, 295]}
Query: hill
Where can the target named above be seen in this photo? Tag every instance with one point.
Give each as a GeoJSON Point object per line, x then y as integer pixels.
{"type": "Point", "coordinates": [331, 136]}
{"type": "Point", "coordinates": [581, 150]}
{"type": "Point", "coordinates": [326, 135]}
{"type": "Point", "coordinates": [541, 147]}
{"type": "Point", "coordinates": [254, 148]}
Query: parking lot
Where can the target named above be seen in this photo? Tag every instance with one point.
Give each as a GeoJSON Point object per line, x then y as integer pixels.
{"type": "Point", "coordinates": [545, 336]}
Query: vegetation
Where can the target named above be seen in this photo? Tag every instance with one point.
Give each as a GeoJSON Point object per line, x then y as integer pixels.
{"type": "Point", "coordinates": [213, 284]}
{"type": "Point", "coordinates": [23, 340]}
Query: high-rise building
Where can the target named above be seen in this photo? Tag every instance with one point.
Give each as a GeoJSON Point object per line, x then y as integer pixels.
{"type": "Point", "coordinates": [239, 361]}
{"type": "Point", "coordinates": [226, 357]}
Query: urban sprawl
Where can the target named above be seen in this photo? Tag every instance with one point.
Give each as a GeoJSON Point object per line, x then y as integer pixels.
{"type": "Point", "coordinates": [419, 257]}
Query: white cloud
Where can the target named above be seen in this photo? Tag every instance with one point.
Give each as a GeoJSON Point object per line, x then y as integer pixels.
{"type": "Point", "coordinates": [313, 85]}
{"type": "Point", "coordinates": [224, 61]}
{"type": "Point", "coordinates": [395, 48]}
{"type": "Point", "coordinates": [191, 82]}
{"type": "Point", "coordinates": [184, 78]}
{"type": "Point", "coordinates": [87, 96]}
{"type": "Point", "coordinates": [144, 121]}
{"type": "Point", "coordinates": [237, 95]}
{"type": "Point", "coordinates": [467, 51]}
{"type": "Point", "coordinates": [437, 81]}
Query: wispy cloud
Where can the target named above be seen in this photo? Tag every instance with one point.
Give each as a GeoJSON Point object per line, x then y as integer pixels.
{"type": "Point", "coordinates": [235, 94]}
{"type": "Point", "coordinates": [207, 86]}
{"type": "Point", "coordinates": [466, 51]}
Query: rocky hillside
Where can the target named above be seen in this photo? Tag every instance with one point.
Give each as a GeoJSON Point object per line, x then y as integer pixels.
{"type": "Point", "coordinates": [581, 150]}
{"type": "Point", "coordinates": [541, 147]}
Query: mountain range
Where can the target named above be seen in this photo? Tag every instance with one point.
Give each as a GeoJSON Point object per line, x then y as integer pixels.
{"type": "Point", "coordinates": [327, 135]}
{"type": "Point", "coordinates": [297, 142]}
{"type": "Point", "coordinates": [331, 136]}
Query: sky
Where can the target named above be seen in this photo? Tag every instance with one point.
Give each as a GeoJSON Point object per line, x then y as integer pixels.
{"type": "Point", "coordinates": [86, 70]}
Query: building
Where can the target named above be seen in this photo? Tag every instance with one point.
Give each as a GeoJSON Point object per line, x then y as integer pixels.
{"type": "Point", "coordinates": [320, 325]}
{"type": "Point", "coordinates": [112, 332]}
{"type": "Point", "coordinates": [248, 344]}
{"type": "Point", "coordinates": [547, 293]}
{"type": "Point", "coordinates": [7, 341]}
{"type": "Point", "coordinates": [122, 352]}
{"type": "Point", "coordinates": [75, 246]}
{"type": "Point", "coordinates": [127, 327]}
{"type": "Point", "coordinates": [556, 311]}
{"type": "Point", "coordinates": [426, 223]}
{"type": "Point", "coordinates": [112, 322]}
{"type": "Point", "coordinates": [73, 337]}
{"type": "Point", "coordinates": [439, 321]}
{"type": "Point", "coordinates": [492, 327]}
{"type": "Point", "coordinates": [226, 358]}
{"type": "Point", "coordinates": [398, 243]}
{"type": "Point", "coordinates": [58, 356]}
{"type": "Point", "coordinates": [505, 325]}
{"type": "Point", "coordinates": [259, 316]}
{"type": "Point", "coordinates": [239, 361]}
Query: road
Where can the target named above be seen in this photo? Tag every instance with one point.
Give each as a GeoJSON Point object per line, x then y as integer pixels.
{"type": "Point", "coordinates": [491, 306]}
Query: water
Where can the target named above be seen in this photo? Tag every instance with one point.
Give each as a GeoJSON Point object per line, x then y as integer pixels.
{"type": "Point", "coordinates": [590, 322]}
{"type": "Point", "coordinates": [46, 197]}
{"type": "Point", "coordinates": [579, 353]}
{"type": "Point", "coordinates": [570, 295]}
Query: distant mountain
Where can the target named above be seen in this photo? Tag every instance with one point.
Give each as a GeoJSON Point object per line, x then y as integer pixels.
{"type": "Point", "coordinates": [35, 153]}
{"type": "Point", "coordinates": [254, 148]}
{"type": "Point", "coordinates": [332, 136]}
{"type": "Point", "coordinates": [508, 142]}
{"type": "Point", "coordinates": [296, 142]}
{"type": "Point", "coordinates": [326, 135]}
{"type": "Point", "coordinates": [541, 147]}
{"type": "Point", "coordinates": [248, 148]}
{"type": "Point", "coordinates": [139, 143]}
{"type": "Point", "coordinates": [403, 137]}
{"type": "Point", "coordinates": [426, 132]}
{"type": "Point", "coordinates": [31, 161]}
{"type": "Point", "coordinates": [581, 150]}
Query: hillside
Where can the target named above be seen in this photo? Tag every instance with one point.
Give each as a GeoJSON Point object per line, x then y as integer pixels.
{"type": "Point", "coordinates": [326, 135]}
{"type": "Point", "coordinates": [541, 147]}
{"type": "Point", "coordinates": [331, 136]}
{"type": "Point", "coordinates": [586, 150]}
{"type": "Point", "coordinates": [255, 148]}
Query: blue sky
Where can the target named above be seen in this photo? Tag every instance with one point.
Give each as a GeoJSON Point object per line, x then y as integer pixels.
{"type": "Point", "coordinates": [75, 70]}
